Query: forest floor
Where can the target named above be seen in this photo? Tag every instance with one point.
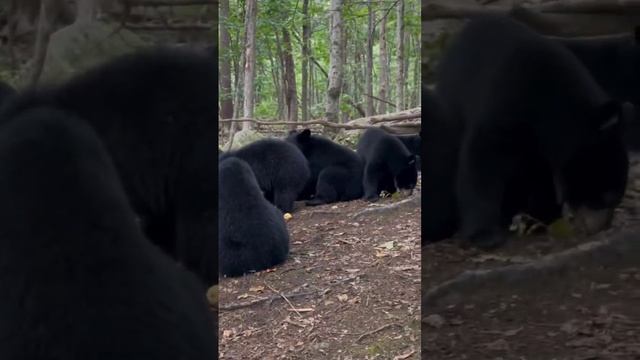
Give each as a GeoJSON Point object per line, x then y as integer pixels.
{"type": "Point", "coordinates": [349, 290]}
{"type": "Point", "coordinates": [583, 312]}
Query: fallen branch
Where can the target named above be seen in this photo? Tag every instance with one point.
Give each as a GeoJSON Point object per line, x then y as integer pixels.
{"type": "Point", "coordinates": [302, 123]}
{"type": "Point", "coordinates": [324, 123]}
{"type": "Point", "coordinates": [175, 27]}
{"type": "Point", "coordinates": [413, 201]}
{"type": "Point", "coordinates": [624, 247]}
{"type": "Point", "coordinates": [369, 333]}
{"type": "Point", "coordinates": [235, 306]}
{"type": "Point", "coordinates": [381, 100]}
{"type": "Point", "coordinates": [285, 299]}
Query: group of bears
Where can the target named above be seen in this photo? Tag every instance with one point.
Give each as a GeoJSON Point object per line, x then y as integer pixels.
{"type": "Point", "coordinates": [522, 123]}
{"type": "Point", "coordinates": [108, 198]}
{"type": "Point", "coordinates": [260, 181]}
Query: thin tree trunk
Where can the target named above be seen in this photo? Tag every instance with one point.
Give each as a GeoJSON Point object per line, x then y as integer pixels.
{"type": "Point", "coordinates": [281, 73]}
{"type": "Point", "coordinates": [289, 77]}
{"type": "Point", "coordinates": [384, 66]}
{"type": "Point", "coordinates": [400, 55]}
{"type": "Point", "coordinates": [250, 62]}
{"type": "Point", "coordinates": [241, 40]}
{"type": "Point", "coordinates": [306, 29]}
{"type": "Point", "coordinates": [226, 94]}
{"type": "Point", "coordinates": [275, 74]}
{"type": "Point", "coordinates": [86, 11]}
{"type": "Point", "coordinates": [369, 74]}
{"type": "Point", "coordinates": [335, 62]}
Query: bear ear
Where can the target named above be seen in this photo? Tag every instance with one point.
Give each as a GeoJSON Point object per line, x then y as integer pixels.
{"type": "Point", "coordinates": [304, 135]}
{"type": "Point", "coordinates": [608, 115]}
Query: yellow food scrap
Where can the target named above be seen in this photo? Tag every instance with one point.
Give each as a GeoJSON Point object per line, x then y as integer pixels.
{"type": "Point", "coordinates": [288, 216]}
{"type": "Point", "coordinates": [561, 228]}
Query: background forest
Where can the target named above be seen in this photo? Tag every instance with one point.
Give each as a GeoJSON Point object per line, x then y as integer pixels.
{"type": "Point", "coordinates": [299, 60]}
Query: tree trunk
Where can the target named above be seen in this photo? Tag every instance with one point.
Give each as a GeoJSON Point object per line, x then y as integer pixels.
{"type": "Point", "coordinates": [289, 77]}
{"type": "Point", "coordinates": [250, 62]}
{"type": "Point", "coordinates": [335, 62]}
{"type": "Point", "coordinates": [46, 21]}
{"type": "Point", "coordinates": [369, 74]}
{"type": "Point", "coordinates": [306, 28]}
{"type": "Point", "coordinates": [226, 94]}
{"type": "Point", "coordinates": [400, 55]}
{"type": "Point", "coordinates": [384, 66]}
{"type": "Point", "coordinates": [275, 74]}
{"type": "Point", "coordinates": [86, 11]}
{"type": "Point", "coordinates": [241, 40]}
{"type": "Point", "coordinates": [281, 86]}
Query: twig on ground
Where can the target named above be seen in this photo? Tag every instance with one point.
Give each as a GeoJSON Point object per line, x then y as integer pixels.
{"type": "Point", "coordinates": [285, 299]}
{"type": "Point", "coordinates": [369, 333]}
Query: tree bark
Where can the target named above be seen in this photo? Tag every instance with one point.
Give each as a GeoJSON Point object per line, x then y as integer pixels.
{"type": "Point", "coordinates": [400, 54]}
{"type": "Point", "coordinates": [306, 34]}
{"type": "Point", "coordinates": [250, 62]}
{"type": "Point", "coordinates": [369, 74]}
{"type": "Point", "coordinates": [226, 94]}
{"type": "Point", "coordinates": [291, 96]}
{"type": "Point", "coordinates": [384, 66]}
{"type": "Point", "coordinates": [86, 11]}
{"type": "Point", "coordinates": [335, 62]}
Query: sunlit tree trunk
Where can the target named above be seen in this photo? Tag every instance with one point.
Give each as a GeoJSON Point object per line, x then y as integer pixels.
{"type": "Point", "coordinates": [335, 62]}
{"type": "Point", "coordinates": [384, 66]}
{"type": "Point", "coordinates": [250, 62]}
{"type": "Point", "coordinates": [400, 55]}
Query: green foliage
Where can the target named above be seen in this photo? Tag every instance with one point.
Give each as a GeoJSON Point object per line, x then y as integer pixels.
{"type": "Point", "coordinates": [275, 15]}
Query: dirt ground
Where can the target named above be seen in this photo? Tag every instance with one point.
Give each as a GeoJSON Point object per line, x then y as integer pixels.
{"type": "Point", "coordinates": [587, 312]}
{"type": "Point", "coordinates": [349, 290]}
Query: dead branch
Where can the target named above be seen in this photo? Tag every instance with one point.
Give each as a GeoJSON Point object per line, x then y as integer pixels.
{"type": "Point", "coordinates": [402, 130]}
{"type": "Point", "coordinates": [175, 27]}
{"type": "Point", "coordinates": [369, 333]}
{"type": "Point", "coordinates": [302, 124]}
{"type": "Point", "coordinates": [236, 306]}
{"type": "Point", "coordinates": [621, 248]}
{"type": "Point", "coordinates": [318, 122]}
{"type": "Point", "coordinates": [381, 100]}
{"type": "Point", "coordinates": [405, 115]}
{"type": "Point", "coordinates": [285, 299]}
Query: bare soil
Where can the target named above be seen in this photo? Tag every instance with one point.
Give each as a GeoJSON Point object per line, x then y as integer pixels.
{"type": "Point", "coordinates": [587, 312]}
{"type": "Point", "coordinates": [349, 290]}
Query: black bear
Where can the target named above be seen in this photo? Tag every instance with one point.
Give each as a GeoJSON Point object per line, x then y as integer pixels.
{"type": "Point", "coordinates": [252, 234]}
{"type": "Point", "coordinates": [536, 131]}
{"type": "Point", "coordinates": [280, 167]}
{"type": "Point", "coordinates": [156, 113]}
{"type": "Point", "coordinates": [413, 143]}
{"type": "Point", "coordinates": [79, 279]}
{"type": "Point", "coordinates": [613, 63]}
{"type": "Point", "coordinates": [336, 171]}
{"type": "Point", "coordinates": [6, 91]}
{"type": "Point", "coordinates": [388, 165]}
{"type": "Point", "coordinates": [439, 160]}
